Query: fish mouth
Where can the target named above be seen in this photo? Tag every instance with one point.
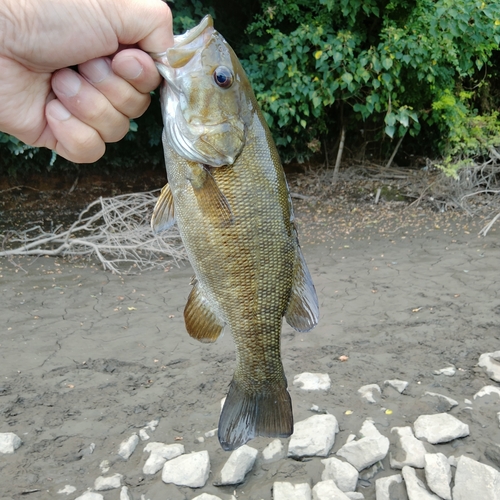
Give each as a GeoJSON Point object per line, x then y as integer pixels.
{"type": "Point", "coordinates": [184, 48]}
{"type": "Point", "coordinates": [194, 33]}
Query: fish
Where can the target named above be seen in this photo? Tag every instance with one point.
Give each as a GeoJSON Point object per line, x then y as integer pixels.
{"type": "Point", "coordinates": [228, 194]}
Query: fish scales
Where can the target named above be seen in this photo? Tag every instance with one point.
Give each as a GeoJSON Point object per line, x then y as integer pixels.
{"type": "Point", "coordinates": [236, 221]}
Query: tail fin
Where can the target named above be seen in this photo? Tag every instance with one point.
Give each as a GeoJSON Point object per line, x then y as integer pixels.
{"type": "Point", "coordinates": [247, 415]}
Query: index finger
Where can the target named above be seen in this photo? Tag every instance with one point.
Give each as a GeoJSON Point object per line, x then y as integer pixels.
{"type": "Point", "coordinates": [147, 23]}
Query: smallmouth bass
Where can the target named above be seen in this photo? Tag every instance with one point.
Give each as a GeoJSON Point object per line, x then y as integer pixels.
{"type": "Point", "coordinates": [228, 194]}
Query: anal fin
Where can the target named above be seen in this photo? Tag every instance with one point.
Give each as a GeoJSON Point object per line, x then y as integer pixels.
{"type": "Point", "coordinates": [163, 214]}
{"type": "Point", "coordinates": [246, 415]}
{"type": "Point", "coordinates": [201, 321]}
{"type": "Point", "coordinates": [302, 313]}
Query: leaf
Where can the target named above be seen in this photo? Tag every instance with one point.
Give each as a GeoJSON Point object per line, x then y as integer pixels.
{"type": "Point", "coordinates": [133, 127]}
{"type": "Point", "coordinates": [387, 63]}
{"type": "Point", "coordinates": [390, 119]}
{"type": "Point", "coordinates": [347, 78]}
{"type": "Point", "coordinates": [389, 130]}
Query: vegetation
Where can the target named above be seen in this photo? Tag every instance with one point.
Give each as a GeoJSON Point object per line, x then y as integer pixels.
{"type": "Point", "coordinates": [426, 70]}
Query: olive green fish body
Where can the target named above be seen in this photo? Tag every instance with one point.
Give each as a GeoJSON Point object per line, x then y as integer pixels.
{"type": "Point", "coordinates": [236, 222]}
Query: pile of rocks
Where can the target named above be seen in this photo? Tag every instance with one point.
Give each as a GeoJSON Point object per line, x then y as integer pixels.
{"type": "Point", "coordinates": [421, 471]}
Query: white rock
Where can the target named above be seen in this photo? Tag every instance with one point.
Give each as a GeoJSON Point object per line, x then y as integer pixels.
{"type": "Point", "coordinates": [124, 493]}
{"type": "Point", "coordinates": [439, 428]}
{"type": "Point", "coordinates": [89, 495]}
{"type": "Point", "coordinates": [350, 437]}
{"type": "Point", "coordinates": [467, 401]}
{"type": "Point", "coordinates": [143, 435]}
{"type": "Point", "coordinates": [238, 465]}
{"type": "Point", "coordinates": [409, 450]}
{"type": "Point", "coordinates": [328, 490]}
{"type": "Point", "coordinates": [498, 418]}
{"type": "Point", "coordinates": [153, 464]}
{"type": "Point", "coordinates": [128, 446]}
{"type": "Point", "coordinates": [487, 390]}
{"type": "Point", "coordinates": [490, 361]}
{"type": "Point", "coordinates": [211, 433]}
{"type": "Point", "coordinates": [414, 487]}
{"type": "Point", "coordinates": [160, 453]}
{"type": "Point", "coordinates": [88, 450]}
{"type": "Point", "coordinates": [343, 473]}
{"type": "Point", "coordinates": [313, 436]}
{"type": "Point", "coordinates": [448, 371]}
{"type": "Point", "coordinates": [9, 442]}
{"type": "Point", "coordinates": [206, 496]}
{"type": "Point", "coordinates": [353, 495]}
{"type": "Point", "coordinates": [108, 483]}
{"type": "Point", "coordinates": [152, 425]}
{"type": "Point", "coordinates": [438, 474]}
{"type": "Point", "coordinates": [444, 401]}
{"type": "Point", "coordinates": [312, 381]}
{"type": "Point", "coordinates": [68, 489]}
{"type": "Point", "coordinates": [168, 451]}
{"type": "Point", "coordinates": [368, 450]}
{"type": "Point", "coordinates": [290, 491]}
{"type": "Point", "coordinates": [187, 470]}
{"type": "Point", "coordinates": [367, 392]}
{"type": "Point", "coordinates": [386, 485]}
{"type": "Point", "coordinates": [474, 480]}
{"type": "Point", "coordinates": [399, 385]}
{"type": "Point", "coordinates": [274, 451]}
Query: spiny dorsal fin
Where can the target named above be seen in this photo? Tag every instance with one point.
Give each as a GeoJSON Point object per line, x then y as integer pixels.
{"type": "Point", "coordinates": [201, 321]}
{"type": "Point", "coordinates": [302, 313]}
{"type": "Point", "coordinates": [163, 214]}
{"type": "Point", "coordinates": [211, 200]}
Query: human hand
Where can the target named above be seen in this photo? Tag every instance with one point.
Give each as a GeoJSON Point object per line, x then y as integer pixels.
{"type": "Point", "coordinates": [45, 103]}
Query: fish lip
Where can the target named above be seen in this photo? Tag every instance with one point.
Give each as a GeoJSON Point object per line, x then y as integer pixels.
{"type": "Point", "coordinates": [194, 33]}
{"type": "Point", "coordinates": [184, 39]}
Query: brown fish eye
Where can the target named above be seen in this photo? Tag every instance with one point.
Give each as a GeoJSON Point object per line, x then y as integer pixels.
{"type": "Point", "coordinates": [223, 77]}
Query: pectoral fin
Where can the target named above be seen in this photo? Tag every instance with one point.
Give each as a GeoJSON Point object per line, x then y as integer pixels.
{"type": "Point", "coordinates": [302, 313]}
{"type": "Point", "coordinates": [163, 214]}
{"type": "Point", "coordinates": [210, 198]}
{"type": "Point", "coordinates": [201, 321]}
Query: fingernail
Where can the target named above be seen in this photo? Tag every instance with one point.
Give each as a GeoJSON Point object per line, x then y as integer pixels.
{"type": "Point", "coordinates": [97, 70]}
{"type": "Point", "coordinates": [57, 111]}
{"type": "Point", "coordinates": [67, 83]}
{"type": "Point", "coordinates": [130, 68]}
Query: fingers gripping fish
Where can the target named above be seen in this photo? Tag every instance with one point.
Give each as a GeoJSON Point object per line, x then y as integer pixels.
{"type": "Point", "coordinates": [228, 194]}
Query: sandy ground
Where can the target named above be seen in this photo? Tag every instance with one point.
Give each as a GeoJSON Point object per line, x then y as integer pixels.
{"type": "Point", "coordinates": [91, 357]}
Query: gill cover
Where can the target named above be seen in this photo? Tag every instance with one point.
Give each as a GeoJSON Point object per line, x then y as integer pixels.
{"type": "Point", "coordinates": [205, 105]}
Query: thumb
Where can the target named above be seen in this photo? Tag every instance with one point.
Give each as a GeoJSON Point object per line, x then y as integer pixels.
{"type": "Point", "coordinates": [147, 23]}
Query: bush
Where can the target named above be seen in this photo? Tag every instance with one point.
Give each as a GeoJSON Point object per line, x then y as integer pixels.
{"type": "Point", "coordinates": [315, 65]}
{"type": "Point", "coordinates": [383, 68]}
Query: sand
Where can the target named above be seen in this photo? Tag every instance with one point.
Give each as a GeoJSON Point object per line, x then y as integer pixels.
{"type": "Point", "coordinates": [91, 357]}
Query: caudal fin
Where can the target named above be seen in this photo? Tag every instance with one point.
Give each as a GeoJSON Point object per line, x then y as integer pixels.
{"type": "Point", "coordinates": [247, 415]}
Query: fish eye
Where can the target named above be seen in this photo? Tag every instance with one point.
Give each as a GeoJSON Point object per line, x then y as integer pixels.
{"type": "Point", "coordinates": [223, 77]}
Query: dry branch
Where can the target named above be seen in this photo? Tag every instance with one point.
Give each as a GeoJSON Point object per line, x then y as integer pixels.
{"type": "Point", "coordinates": [116, 230]}
{"type": "Point", "coordinates": [339, 156]}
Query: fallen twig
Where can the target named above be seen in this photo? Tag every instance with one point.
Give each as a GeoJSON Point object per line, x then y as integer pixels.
{"type": "Point", "coordinates": [115, 230]}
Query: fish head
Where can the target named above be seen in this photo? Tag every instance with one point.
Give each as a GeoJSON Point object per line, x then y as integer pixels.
{"type": "Point", "coordinates": [205, 97]}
